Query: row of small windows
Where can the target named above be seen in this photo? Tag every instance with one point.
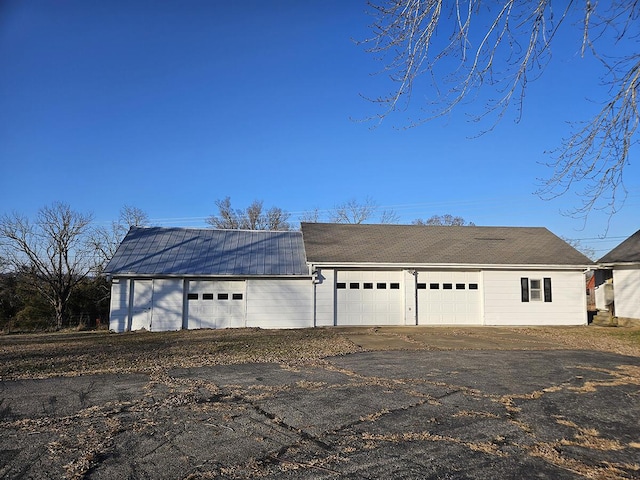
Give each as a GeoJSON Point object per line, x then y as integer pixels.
{"type": "Point", "coordinates": [396, 286]}
{"type": "Point", "coordinates": [368, 286]}
{"type": "Point", "coordinates": [220, 296]}
{"type": "Point", "coordinates": [448, 286]}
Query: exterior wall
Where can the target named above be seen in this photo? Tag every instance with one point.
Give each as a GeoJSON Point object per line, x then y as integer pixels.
{"type": "Point", "coordinates": [119, 306]}
{"type": "Point", "coordinates": [503, 304]}
{"type": "Point", "coordinates": [281, 303]}
{"type": "Point", "coordinates": [325, 298]}
{"type": "Point", "coordinates": [167, 304]}
{"type": "Point", "coordinates": [626, 291]}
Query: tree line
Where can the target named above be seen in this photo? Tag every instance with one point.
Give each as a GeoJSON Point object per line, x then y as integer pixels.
{"type": "Point", "coordinates": [51, 266]}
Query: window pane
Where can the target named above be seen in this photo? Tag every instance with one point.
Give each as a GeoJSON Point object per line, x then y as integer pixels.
{"type": "Point", "coordinates": [447, 286]}
{"type": "Point", "coordinates": [223, 296]}
{"type": "Point", "coordinates": [473, 286]}
{"type": "Point", "coordinates": [341, 285]}
{"type": "Point", "coordinates": [459, 286]}
{"type": "Point", "coordinates": [367, 286]}
{"type": "Point", "coordinates": [434, 286]}
{"type": "Point", "coordinates": [237, 296]}
{"type": "Point", "coordinates": [394, 286]}
{"type": "Point", "coordinates": [354, 285]}
{"type": "Point", "coordinates": [207, 296]}
{"type": "Point", "coordinates": [382, 286]}
{"type": "Point", "coordinates": [192, 296]}
{"type": "Point", "coordinates": [422, 286]}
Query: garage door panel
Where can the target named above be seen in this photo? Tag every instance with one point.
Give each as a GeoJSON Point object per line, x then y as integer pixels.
{"type": "Point", "coordinates": [367, 298]}
{"type": "Point", "coordinates": [449, 298]}
{"type": "Point", "coordinates": [216, 304]}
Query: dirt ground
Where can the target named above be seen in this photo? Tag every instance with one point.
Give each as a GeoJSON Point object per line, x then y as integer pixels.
{"type": "Point", "coordinates": [325, 403]}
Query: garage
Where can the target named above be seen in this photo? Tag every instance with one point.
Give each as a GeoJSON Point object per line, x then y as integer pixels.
{"type": "Point", "coordinates": [216, 304]}
{"type": "Point", "coordinates": [449, 298]}
{"type": "Point", "coordinates": [369, 298]}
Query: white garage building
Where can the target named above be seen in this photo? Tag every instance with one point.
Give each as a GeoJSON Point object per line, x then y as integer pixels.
{"type": "Point", "coordinates": [175, 278]}
{"type": "Point", "coordinates": [337, 274]}
{"type": "Point", "coordinates": [424, 275]}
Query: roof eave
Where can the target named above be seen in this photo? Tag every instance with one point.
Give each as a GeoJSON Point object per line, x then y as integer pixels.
{"type": "Point", "coordinates": [474, 266]}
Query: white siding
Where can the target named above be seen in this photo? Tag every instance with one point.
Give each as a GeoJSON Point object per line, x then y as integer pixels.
{"type": "Point", "coordinates": [325, 298]}
{"type": "Point", "coordinates": [626, 291]}
{"type": "Point", "coordinates": [503, 304]}
{"type": "Point", "coordinates": [119, 306]}
{"type": "Point", "coordinates": [285, 303]}
{"type": "Point", "coordinates": [167, 305]}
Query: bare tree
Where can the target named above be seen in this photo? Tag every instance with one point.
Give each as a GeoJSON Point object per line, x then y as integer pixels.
{"type": "Point", "coordinates": [578, 245]}
{"type": "Point", "coordinates": [51, 252]}
{"type": "Point", "coordinates": [254, 217]}
{"type": "Point", "coordinates": [445, 220]}
{"type": "Point", "coordinates": [105, 240]}
{"type": "Point", "coordinates": [311, 216]}
{"type": "Point", "coordinates": [353, 211]}
{"type": "Point", "coordinates": [458, 48]}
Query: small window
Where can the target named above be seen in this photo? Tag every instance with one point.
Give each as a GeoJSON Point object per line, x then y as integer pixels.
{"type": "Point", "coordinates": [341, 285]}
{"type": "Point", "coordinates": [207, 296]}
{"type": "Point", "coordinates": [434, 286]}
{"type": "Point", "coordinates": [473, 286]}
{"type": "Point", "coordinates": [354, 285]}
{"type": "Point", "coordinates": [394, 286]}
{"type": "Point", "coordinates": [535, 292]}
{"type": "Point", "coordinates": [367, 286]}
{"type": "Point", "coordinates": [237, 296]}
{"type": "Point", "coordinates": [422, 286]}
{"type": "Point", "coordinates": [447, 286]}
{"type": "Point", "coordinates": [381, 286]}
{"type": "Point", "coordinates": [192, 296]}
{"type": "Point", "coordinates": [459, 286]}
{"type": "Point", "coordinates": [223, 296]}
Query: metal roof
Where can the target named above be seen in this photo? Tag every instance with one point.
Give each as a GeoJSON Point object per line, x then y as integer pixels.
{"type": "Point", "coordinates": [188, 251]}
{"type": "Point", "coordinates": [418, 245]}
{"type": "Point", "coordinates": [627, 252]}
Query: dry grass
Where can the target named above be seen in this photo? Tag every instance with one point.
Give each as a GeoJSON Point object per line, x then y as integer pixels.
{"type": "Point", "coordinates": [74, 353]}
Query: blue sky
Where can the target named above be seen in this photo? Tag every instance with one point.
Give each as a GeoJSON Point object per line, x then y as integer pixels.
{"type": "Point", "coordinates": [168, 106]}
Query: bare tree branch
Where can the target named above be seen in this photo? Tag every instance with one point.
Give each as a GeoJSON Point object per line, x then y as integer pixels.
{"type": "Point", "coordinates": [451, 51]}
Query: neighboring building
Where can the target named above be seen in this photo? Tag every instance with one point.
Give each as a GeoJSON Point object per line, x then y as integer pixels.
{"type": "Point", "coordinates": [174, 278]}
{"type": "Point", "coordinates": [337, 274]}
{"type": "Point", "coordinates": [618, 284]}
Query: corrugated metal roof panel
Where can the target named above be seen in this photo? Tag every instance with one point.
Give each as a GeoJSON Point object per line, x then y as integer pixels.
{"type": "Point", "coordinates": [177, 251]}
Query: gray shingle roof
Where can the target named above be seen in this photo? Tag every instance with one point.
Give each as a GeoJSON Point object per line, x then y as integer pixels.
{"type": "Point", "coordinates": [415, 245]}
{"type": "Point", "coordinates": [627, 252]}
{"type": "Point", "coordinates": [186, 251]}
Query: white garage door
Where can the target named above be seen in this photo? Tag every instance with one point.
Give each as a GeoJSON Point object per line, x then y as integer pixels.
{"type": "Point", "coordinates": [449, 298]}
{"type": "Point", "coordinates": [369, 298]}
{"type": "Point", "coordinates": [216, 304]}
